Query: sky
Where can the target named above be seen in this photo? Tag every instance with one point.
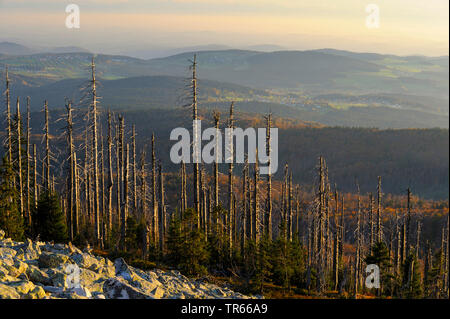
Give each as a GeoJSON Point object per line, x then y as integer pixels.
{"type": "Point", "coordinates": [406, 27]}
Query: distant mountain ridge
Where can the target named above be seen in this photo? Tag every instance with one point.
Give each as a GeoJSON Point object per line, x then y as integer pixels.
{"type": "Point", "coordinates": [11, 48]}
{"type": "Point", "coordinates": [333, 87]}
{"type": "Point", "coordinates": [317, 72]}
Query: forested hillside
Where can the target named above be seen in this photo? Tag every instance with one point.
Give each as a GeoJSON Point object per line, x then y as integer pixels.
{"type": "Point", "coordinates": [93, 176]}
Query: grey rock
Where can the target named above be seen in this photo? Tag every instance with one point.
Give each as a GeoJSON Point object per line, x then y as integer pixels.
{"type": "Point", "coordinates": [51, 260]}
{"type": "Point", "coordinates": [118, 288]}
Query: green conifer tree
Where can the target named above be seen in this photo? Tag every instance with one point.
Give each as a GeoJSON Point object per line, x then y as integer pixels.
{"type": "Point", "coordinates": [11, 220]}
{"type": "Point", "coordinates": [49, 220]}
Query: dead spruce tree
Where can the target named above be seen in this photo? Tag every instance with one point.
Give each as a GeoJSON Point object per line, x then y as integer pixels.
{"type": "Point", "coordinates": [230, 159]}
{"type": "Point", "coordinates": [8, 117]}
{"type": "Point", "coordinates": [162, 211]}
{"type": "Point", "coordinates": [408, 222]}
{"type": "Point", "coordinates": [35, 184]}
{"type": "Point", "coordinates": [379, 212]}
{"type": "Point", "coordinates": [195, 137]}
{"type": "Point", "coordinates": [47, 149]}
{"type": "Point", "coordinates": [256, 219]}
{"type": "Point", "coordinates": [216, 116]}
{"type": "Point", "coordinates": [71, 170]}
{"type": "Point", "coordinates": [110, 184]}
{"type": "Point", "coordinates": [124, 210]}
{"type": "Point", "coordinates": [95, 155]}
{"type": "Point", "coordinates": [358, 244]}
{"type": "Point", "coordinates": [269, 207]}
{"type": "Point", "coordinates": [134, 167]}
{"type": "Point", "coordinates": [27, 165]}
{"type": "Point", "coordinates": [155, 222]}
{"type": "Point", "coordinates": [19, 158]}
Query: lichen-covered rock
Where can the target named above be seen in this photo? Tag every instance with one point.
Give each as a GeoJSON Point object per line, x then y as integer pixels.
{"type": "Point", "coordinates": [22, 287]}
{"type": "Point", "coordinates": [51, 260]}
{"type": "Point", "coordinates": [37, 293]}
{"type": "Point", "coordinates": [38, 270]}
{"type": "Point", "coordinates": [38, 276]}
{"type": "Point", "coordinates": [118, 288]}
{"type": "Point", "coordinates": [7, 253]}
{"type": "Point", "coordinates": [7, 292]}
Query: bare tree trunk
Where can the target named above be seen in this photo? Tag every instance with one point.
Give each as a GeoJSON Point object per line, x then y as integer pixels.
{"type": "Point", "coordinates": [133, 146]}
{"type": "Point", "coordinates": [8, 118]}
{"type": "Point", "coordinates": [122, 157]}
{"type": "Point", "coordinates": [204, 201]}
{"type": "Point", "coordinates": [155, 222]}
{"type": "Point", "coordinates": [19, 158]}
{"type": "Point", "coordinates": [336, 260]}
{"type": "Point", "coordinates": [210, 211]}
{"type": "Point", "coordinates": [257, 220]}
{"type": "Point", "coordinates": [251, 219]}
{"type": "Point", "coordinates": [290, 208]}
{"type": "Point", "coordinates": [244, 229]}
{"type": "Point", "coordinates": [124, 211]}
{"type": "Point", "coordinates": [183, 189]}
{"type": "Point", "coordinates": [35, 185]}
{"type": "Point", "coordinates": [70, 179]}
{"type": "Point", "coordinates": [399, 247]}
{"type": "Point", "coordinates": [358, 245]}
{"type": "Point", "coordinates": [404, 249]}
{"type": "Point", "coordinates": [371, 221]}
{"type": "Point", "coordinates": [76, 213]}
{"type": "Point", "coordinates": [47, 148]}
{"type": "Point", "coordinates": [110, 176]}
{"type": "Point", "coordinates": [103, 220]}
{"type": "Point", "coordinates": [162, 212]}
{"type": "Point", "coordinates": [447, 257]}
{"type": "Point", "coordinates": [95, 157]}
{"type": "Point", "coordinates": [143, 187]}
{"type": "Point", "coordinates": [196, 147]}
{"type": "Point", "coordinates": [230, 179]}
{"type": "Point", "coordinates": [379, 212]}
{"type": "Point", "coordinates": [408, 223]}
{"type": "Point", "coordinates": [342, 239]}
{"type": "Point", "coordinates": [268, 221]}
{"type": "Point", "coordinates": [419, 229]}
{"type": "Point", "coordinates": [216, 162]}
{"type": "Point", "coordinates": [28, 210]}
{"type": "Point", "coordinates": [284, 202]}
{"type": "Point", "coordinates": [87, 181]}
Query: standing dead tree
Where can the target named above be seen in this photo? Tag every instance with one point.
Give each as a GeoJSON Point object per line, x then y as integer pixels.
{"type": "Point", "coordinates": [134, 166]}
{"type": "Point", "coordinates": [196, 147]}
{"type": "Point", "coordinates": [379, 212]}
{"type": "Point", "coordinates": [19, 158]}
{"type": "Point", "coordinates": [8, 117]}
{"type": "Point", "coordinates": [230, 159]}
{"type": "Point", "coordinates": [269, 205]}
{"type": "Point", "coordinates": [71, 170]}
{"type": "Point", "coordinates": [162, 211]}
{"type": "Point", "coordinates": [27, 165]}
{"type": "Point", "coordinates": [358, 245]}
{"type": "Point", "coordinates": [408, 222]}
{"type": "Point", "coordinates": [256, 212]}
{"type": "Point", "coordinates": [110, 183]}
{"type": "Point", "coordinates": [124, 210]}
{"type": "Point", "coordinates": [47, 149]}
{"type": "Point", "coordinates": [216, 116]}
{"type": "Point", "coordinates": [155, 222]}
{"type": "Point", "coordinates": [95, 155]}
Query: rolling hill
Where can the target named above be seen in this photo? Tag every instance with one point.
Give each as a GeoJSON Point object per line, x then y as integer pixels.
{"type": "Point", "coordinates": [157, 92]}
{"type": "Point", "coordinates": [318, 72]}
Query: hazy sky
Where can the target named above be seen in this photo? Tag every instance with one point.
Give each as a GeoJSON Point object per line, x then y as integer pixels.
{"type": "Point", "coordinates": [406, 26]}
